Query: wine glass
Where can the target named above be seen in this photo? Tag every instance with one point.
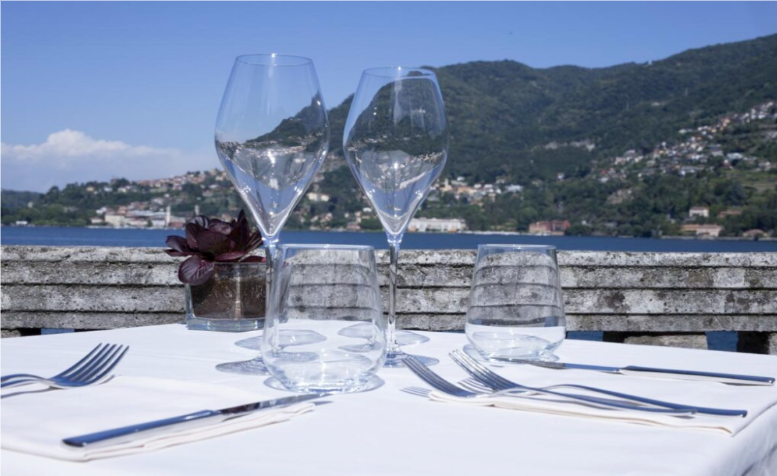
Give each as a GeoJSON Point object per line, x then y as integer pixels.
{"type": "Point", "coordinates": [396, 144]}
{"type": "Point", "coordinates": [272, 134]}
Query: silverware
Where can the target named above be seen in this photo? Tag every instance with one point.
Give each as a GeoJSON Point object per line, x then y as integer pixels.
{"type": "Point", "coordinates": [439, 383]}
{"type": "Point", "coordinates": [657, 372]}
{"type": "Point", "coordinates": [91, 370]}
{"type": "Point", "coordinates": [498, 383]}
{"type": "Point", "coordinates": [182, 422]}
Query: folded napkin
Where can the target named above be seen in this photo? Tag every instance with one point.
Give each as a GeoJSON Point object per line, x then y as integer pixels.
{"type": "Point", "coordinates": [36, 423]}
{"type": "Point", "coordinates": [729, 425]}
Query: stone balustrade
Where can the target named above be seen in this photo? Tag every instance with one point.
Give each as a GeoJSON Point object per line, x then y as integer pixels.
{"type": "Point", "coordinates": [663, 298]}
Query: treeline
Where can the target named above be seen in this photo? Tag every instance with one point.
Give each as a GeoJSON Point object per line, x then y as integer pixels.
{"type": "Point", "coordinates": [653, 208]}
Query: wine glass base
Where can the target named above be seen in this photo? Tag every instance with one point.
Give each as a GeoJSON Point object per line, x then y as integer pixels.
{"type": "Point", "coordinates": [471, 351]}
{"type": "Point", "coordinates": [394, 359]}
{"type": "Point", "coordinates": [371, 384]}
{"type": "Point", "coordinates": [254, 366]}
{"type": "Point", "coordinates": [401, 338]}
{"type": "Point", "coordinates": [409, 338]}
{"type": "Point", "coordinates": [288, 337]}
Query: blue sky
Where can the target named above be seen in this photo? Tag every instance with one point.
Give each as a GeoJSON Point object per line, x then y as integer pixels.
{"type": "Point", "coordinates": [94, 90]}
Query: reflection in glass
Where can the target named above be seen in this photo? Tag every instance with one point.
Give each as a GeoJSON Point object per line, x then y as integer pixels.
{"type": "Point", "coordinates": [516, 306]}
{"type": "Point", "coordinates": [396, 144]}
{"type": "Point", "coordinates": [324, 289]}
{"type": "Point", "coordinates": [272, 134]}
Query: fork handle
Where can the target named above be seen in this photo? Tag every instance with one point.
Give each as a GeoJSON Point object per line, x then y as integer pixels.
{"type": "Point", "coordinates": [22, 382]}
{"type": "Point", "coordinates": [7, 377]}
{"type": "Point", "coordinates": [600, 402]}
{"type": "Point", "coordinates": [659, 403]}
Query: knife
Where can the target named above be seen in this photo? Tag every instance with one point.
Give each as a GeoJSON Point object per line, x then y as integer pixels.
{"type": "Point", "coordinates": [182, 422]}
{"type": "Point", "coordinates": [656, 372]}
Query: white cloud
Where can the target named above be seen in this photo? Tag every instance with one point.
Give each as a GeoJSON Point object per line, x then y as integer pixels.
{"type": "Point", "coordinates": [71, 156]}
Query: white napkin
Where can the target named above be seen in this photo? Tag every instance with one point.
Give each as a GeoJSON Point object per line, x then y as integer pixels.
{"type": "Point", "coordinates": [729, 425]}
{"type": "Point", "coordinates": [36, 423]}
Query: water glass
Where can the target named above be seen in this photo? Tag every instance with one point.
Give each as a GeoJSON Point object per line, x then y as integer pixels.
{"type": "Point", "coordinates": [325, 289]}
{"type": "Point", "coordinates": [516, 306]}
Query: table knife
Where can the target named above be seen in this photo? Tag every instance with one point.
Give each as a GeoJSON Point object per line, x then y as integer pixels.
{"type": "Point", "coordinates": [657, 372]}
{"type": "Point", "coordinates": [182, 422]}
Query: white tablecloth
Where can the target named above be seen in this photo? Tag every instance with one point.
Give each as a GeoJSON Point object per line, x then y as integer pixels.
{"type": "Point", "coordinates": [389, 432]}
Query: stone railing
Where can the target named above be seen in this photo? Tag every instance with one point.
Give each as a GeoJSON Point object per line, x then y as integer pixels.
{"type": "Point", "coordinates": [665, 298]}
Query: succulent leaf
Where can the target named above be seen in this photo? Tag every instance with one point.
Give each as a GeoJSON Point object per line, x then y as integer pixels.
{"type": "Point", "coordinates": [212, 240]}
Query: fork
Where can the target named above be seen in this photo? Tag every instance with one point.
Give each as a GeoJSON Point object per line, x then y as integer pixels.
{"type": "Point", "coordinates": [496, 382]}
{"type": "Point", "coordinates": [92, 369]}
{"type": "Point", "coordinates": [439, 383]}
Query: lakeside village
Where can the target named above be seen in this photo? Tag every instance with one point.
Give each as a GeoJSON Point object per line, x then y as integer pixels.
{"type": "Point", "coordinates": [171, 205]}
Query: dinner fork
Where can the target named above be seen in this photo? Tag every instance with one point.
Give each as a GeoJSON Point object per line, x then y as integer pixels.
{"type": "Point", "coordinates": [92, 369]}
{"type": "Point", "coordinates": [439, 383]}
{"type": "Point", "coordinates": [496, 382]}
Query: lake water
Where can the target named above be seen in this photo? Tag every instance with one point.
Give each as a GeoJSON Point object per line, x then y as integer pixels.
{"type": "Point", "coordinates": [56, 236]}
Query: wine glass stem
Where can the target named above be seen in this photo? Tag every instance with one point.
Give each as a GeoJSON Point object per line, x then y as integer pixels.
{"type": "Point", "coordinates": [391, 338]}
{"type": "Point", "coordinates": [270, 249]}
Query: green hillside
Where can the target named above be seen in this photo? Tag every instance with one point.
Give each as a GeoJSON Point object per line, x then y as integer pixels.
{"type": "Point", "coordinates": [503, 114]}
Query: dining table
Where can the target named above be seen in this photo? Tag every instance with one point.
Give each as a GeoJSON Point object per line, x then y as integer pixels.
{"type": "Point", "coordinates": [388, 431]}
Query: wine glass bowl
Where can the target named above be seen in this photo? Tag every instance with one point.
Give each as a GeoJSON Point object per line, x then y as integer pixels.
{"type": "Point", "coordinates": [396, 141]}
{"type": "Point", "coordinates": [272, 134]}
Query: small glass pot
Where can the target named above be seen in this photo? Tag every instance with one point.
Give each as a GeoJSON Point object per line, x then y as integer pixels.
{"type": "Point", "coordinates": [232, 300]}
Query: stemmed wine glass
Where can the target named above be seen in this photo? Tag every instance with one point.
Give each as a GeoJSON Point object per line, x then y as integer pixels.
{"type": "Point", "coordinates": [396, 144]}
{"type": "Point", "coordinates": [272, 134]}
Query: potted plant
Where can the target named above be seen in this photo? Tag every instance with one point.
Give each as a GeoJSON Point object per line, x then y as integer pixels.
{"type": "Point", "coordinates": [225, 283]}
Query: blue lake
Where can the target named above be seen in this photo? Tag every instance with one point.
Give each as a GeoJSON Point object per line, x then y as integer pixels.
{"type": "Point", "coordinates": [55, 236]}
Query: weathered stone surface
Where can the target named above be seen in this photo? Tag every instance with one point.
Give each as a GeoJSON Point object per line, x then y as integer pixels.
{"type": "Point", "coordinates": [87, 320]}
{"type": "Point", "coordinates": [410, 275]}
{"type": "Point", "coordinates": [91, 273]}
{"type": "Point", "coordinates": [17, 297]}
{"type": "Point", "coordinates": [671, 323]}
{"type": "Point", "coordinates": [430, 321]}
{"type": "Point", "coordinates": [96, 288]}
{"type": "Point", "coordinates": [92, 298]}
{"type": "Point", "coordinates": [421, 257]}
{"type": "Point", "coordinates": [690, 341]}
{"type": "Point", "coordinates": [683, 260]}
{"type": "Point", "coordinates": [668, 277]}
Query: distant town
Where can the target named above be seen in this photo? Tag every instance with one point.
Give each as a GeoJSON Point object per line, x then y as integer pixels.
{"type": "Point", "coordinates": [333, 203]}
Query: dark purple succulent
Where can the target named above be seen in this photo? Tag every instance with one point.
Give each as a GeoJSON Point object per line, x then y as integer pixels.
{"type": "Point", "coordinates": [209, 241]}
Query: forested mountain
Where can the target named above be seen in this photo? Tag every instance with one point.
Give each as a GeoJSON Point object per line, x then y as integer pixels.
{"type": "Point", "coordinates": [503, 115]}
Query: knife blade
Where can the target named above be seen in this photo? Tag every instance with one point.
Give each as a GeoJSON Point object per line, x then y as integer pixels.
{"type": "Point", "coordinates": [733, 379]}
{"type": "Point", "coordinates": [182, 422]}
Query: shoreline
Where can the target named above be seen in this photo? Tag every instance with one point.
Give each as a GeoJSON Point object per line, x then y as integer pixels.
{"type": "Point", "coordinates": [492, 233]}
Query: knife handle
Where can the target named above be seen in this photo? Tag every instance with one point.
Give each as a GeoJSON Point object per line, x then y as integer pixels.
{"type": "Point", "coordinates": [115, 435]}
{"type": "Point", "coordinates": [695, 375]}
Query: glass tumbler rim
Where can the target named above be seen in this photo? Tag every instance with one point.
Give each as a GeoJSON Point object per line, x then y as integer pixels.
{"type": "Point", "coordinates": [272, 59]}
{"type": "Point", "coordinates": [395, 72]}
{"type": "Point", "coordinates": [517, 247]}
